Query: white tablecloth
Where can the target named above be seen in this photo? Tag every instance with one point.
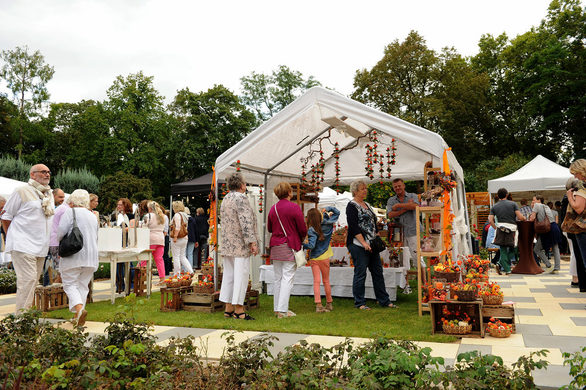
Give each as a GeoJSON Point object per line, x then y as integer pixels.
{"type": "Point", "coordinates": [340, 280]}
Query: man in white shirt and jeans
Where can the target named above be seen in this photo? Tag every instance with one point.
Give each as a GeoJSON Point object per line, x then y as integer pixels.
{"type": "Point", "coordinates": [27, 223]}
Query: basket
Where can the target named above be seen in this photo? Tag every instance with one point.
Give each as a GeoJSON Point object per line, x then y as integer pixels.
{"type": "Point", "coordinates": [175, 284]}
{"type": "Point", "coordinates": [500, 333]}
{"type": "Point", "coordinates": [203, 289]}
{"type": "Point", "coordinates": [492, 299]}
{"type": "Point", "coordinates": [450, 277]}
{"type": "Point", "coordinates": [457, 329]}
{"type": "Point", "coordinates": [466, 296]}
{"type": "Point", "coordinates": [185, 282]}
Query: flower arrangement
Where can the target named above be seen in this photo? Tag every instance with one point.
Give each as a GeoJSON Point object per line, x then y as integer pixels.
{"type": "Point", "coordinates": [497, 328]}
{"type": "Point", "coordinates": [448, 266]}
{"type": "Point", "coordinates": [473, 276]}
{"type": "Point", "coordinates": [435, 291]}
{"type": "Point", "coordinates": [455, 322]}
{"type": "Point", "coordinates": [202, 287]}
{"type": "Point", "coordinates": [463, 291]}
{"type": "Point", "coordinates": [491, 294]}
{"type": "Point", "coordinates": [476, 263]}
{"type": "Point", "coordinates": [339, 237]}
{"type": "Point", "coordinates": [179, 280]}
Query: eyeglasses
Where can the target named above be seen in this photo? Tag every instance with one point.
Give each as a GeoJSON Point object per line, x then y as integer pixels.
{"type": "Point", "coordinates": [43, 172]}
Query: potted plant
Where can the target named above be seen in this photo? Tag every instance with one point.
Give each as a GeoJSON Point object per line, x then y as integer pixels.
{"type": "Point", "coordinates": [497, 328]}
{"type": "Point", "coordinates": [491, 294]}
{"type": "Point", "coordinates": [463, 291]}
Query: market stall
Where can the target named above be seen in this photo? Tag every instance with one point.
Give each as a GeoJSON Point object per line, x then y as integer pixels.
{"type": "Point", "coordinates": [324, 138]}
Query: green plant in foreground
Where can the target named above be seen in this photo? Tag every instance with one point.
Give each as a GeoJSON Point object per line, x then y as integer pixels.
{"type": "Point", "coordinates": [7, 281]}
{"type": "Point", "coordinates": [577, 363]}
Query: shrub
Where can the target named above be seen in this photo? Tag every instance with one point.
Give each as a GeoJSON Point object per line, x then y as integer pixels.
{"type": "Point", "coordinates": [70, 180]}
{"type": "Point", "coordinates": [122, 185]}
{"type": "Point", "coordinates": [577, 363]}
{"type": "Point", "coordinates": [7, 281]}
{"type": "Point", "coordinates": [103, 271]}
{"type": "Point", "coordinates": [14, 169]}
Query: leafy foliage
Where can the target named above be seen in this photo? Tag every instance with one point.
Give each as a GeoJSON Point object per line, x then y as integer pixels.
{"type": "Point", "coordinates": [71, 179]}
{"type": "Point", "coordinates": [7, 281]}
{"type": "Point", "coordinates": [577, 363]}
{"type": "Point", "coordinates": [122, 185]}
{"type": "Point", "coordinates": [14, 169]}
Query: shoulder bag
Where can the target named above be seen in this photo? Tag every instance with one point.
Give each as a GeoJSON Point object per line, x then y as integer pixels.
{"type": "Point", "coordinates": [574, 223]}
{"type": "Point", "coordinates": [300, 258]}
{"type": "Point", "coordinates": [542, 227]}
{"type": "Point", "coordinates": [71, 243]}
{"type": "Point", "coordinates": [182, 229]}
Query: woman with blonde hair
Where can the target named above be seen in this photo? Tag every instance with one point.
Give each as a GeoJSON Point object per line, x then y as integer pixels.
{"type": "Point", "coordinates": [577, 201]}
{"type": "Point", "coordinates": [93, 204]}
{"type": "Point", "coordinates": [155, 221]}
{"type": "Point", "coordinates": [287, 227]}
{"type": "Point", "coordinates": [178, 241]}
{"type": "Point", "coordinates": [77, 270]}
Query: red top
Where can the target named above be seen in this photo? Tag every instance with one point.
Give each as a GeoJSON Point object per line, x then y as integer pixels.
{"type": "Point", "coordinates": [293, 222]}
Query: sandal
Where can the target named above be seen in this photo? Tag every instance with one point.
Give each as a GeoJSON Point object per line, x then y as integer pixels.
{"type": "Point", "coordinates": [228, 314]}
{"type": "Point", "coordinates": [239, 316]}
{"type": "Point", "coordinates": [363, 307]}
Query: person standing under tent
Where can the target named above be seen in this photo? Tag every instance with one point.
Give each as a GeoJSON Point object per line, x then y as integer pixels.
{"type": "Point", "coordinates": [203, 227]}
{"type": "Point", "coordinates": [178, 244]}
{"type": "Point", "coordinates": [546, 241]}
{"type": "Point", "coordinates": [286, 224]}
{"type": "Point", "coordinates": [402, 206]}
{"type": "Point", "coordinates": [503, 218]}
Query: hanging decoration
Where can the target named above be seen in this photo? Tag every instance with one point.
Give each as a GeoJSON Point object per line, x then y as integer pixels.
{"type": "Point", "coordinates": [303, 176]}
{"type": "Point", "coordinates": [337, 167]}
{"type": "Point", "coordinates": [237, 165]}
{"type": "Point", "coordinates": [224, 190]}
{"type": "Point", "coordinates": [260, 198]}
{"type": "Point", "coordinates": [213, 220]}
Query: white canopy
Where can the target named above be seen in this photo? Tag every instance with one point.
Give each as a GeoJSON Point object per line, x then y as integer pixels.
{"type": "Point", "coordinates": [275, 150]}
{"type": "Point", "coordinates": [277, 146]}
{"type": "Point", "coordinates": [538, 175]}
{"type": "Point", "coordinates": [7, 186]}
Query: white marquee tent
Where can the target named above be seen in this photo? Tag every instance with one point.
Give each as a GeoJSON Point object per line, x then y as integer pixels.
{"type": "Point", "coordinates": [7, 186]}
{"type": "Point", "coordinates": [539, 175]}
{"type": "Point", "coordinates": [273, 152]}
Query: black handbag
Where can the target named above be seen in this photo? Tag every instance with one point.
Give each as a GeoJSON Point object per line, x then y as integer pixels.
{"type": "Point", "coordinates": [377, 244]}
{"type": "Point", "coordinates": [71, 243]}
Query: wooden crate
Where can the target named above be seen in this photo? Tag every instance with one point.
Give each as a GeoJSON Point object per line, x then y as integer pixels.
{"type": "Point", "coordinates": [52, 297]}
{"type": "Point", "coordinates": [207, 303]}
{"type": "Point", "coordinates": [252, 300]}
{"type": "Point", "coordinates": [473, 309]}
{"type": "Point", "coordinates": [504, 313]}
{"type": "Point", "coordinates": [140, 278]}
{"type": "Point", "coordinates": [171, 298]}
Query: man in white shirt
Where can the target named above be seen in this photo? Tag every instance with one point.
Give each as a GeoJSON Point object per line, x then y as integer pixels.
{"type": "Point", "coordinates": [27, 223]}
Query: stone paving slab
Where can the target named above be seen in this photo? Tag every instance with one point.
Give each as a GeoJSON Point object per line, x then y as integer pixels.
{"type": "Point", "coordinates": [528, 312]}
{"type": "Point", "coordinates": [580, 321]}
{"type": "Point", "coordinates": [533, 329]}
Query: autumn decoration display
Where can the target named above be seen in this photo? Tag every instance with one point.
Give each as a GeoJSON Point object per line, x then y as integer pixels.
{"type": "Point", "coordinates": [455, 322]}
{"type": "Point", "coordinates": [448, 270]}
{"type": "Point", "coordinates": [435, 291]}
{"type": "Point", "coordinates": [463, 291]}
{"type": "Point", "coordinates": [491, 294]}
{"type": "Point", "coordinates": [497, 328]}
{"type": "Point", "coordinates": [179, 280]}
{"type": "Point", "coordinates": [260, 198]}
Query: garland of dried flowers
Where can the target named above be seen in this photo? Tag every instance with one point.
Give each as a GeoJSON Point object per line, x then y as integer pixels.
{"type": "Point", "coordinates": [337, 167]}
{"type": "Point", "coordinates": [260, 198]}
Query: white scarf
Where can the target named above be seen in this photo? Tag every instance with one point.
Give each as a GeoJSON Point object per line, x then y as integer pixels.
{"type": "Point", "coordinates": [44, 193]}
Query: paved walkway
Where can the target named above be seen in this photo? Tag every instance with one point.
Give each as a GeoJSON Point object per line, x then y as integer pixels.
{"type": "Point", "coordinates": [549, 315]}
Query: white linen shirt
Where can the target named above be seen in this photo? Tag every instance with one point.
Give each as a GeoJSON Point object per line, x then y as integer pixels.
{"type": "Point", "coordinates": [29, 230]}
{"type": "Point", "coordinates": [88, 225]}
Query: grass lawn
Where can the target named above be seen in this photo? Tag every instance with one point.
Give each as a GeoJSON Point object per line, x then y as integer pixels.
{"type": "Point", "coordinates": [345, 320]}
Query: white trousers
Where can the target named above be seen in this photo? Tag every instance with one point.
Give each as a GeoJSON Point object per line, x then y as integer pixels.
{"type": "Point", "coordinates": [284, 274]}
{"type": "Point", "coordinates": [76, 285]}
{"type": "Point", "coordinates": [411, 243]}
{"type": "Point", "coordinates": [573, 266]}
{"type": "Point", "coordinates": [234, 280]}
{"type": "Point", "coordinates": [179, 257]}
{"type": "Point", "coordinates": [28, 270]}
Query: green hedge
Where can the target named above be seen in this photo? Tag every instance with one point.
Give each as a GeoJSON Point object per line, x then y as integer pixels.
{"type": "Point", "coordinates": [7, 281]}
{"type": "Point", "coordinates": [14, 169]}
{"type": "Point", "coordinates": [70, 180]}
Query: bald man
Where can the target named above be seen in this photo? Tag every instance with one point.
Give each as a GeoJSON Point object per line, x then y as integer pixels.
{"type": "Point", "coordinates": [27, 223]}
{"type": "Point", "coordinates": [58, 197]}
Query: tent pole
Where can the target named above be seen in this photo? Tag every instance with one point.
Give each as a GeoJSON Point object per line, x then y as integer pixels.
{"type": "Point", "coordinates": [468, 235]}
{"type": "Point", "coordinates": [264, 218]}
{"type": "Point", "coordinates": [216, 257]}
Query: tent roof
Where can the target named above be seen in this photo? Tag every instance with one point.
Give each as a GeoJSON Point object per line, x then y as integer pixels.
{"type": "Point", "coordinates": [7, 186]}
{"type": "Point", "coordinates": [277, 146]}
{"type": "Point", "coordinates": [200, 184]}
{"type": "Point", "coordinates": [539, 174]}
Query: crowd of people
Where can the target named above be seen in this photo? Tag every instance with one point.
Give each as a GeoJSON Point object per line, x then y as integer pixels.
{"type": "Point", "coordinates": [36, 218]}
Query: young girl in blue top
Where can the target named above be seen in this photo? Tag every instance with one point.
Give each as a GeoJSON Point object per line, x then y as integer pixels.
{"type": "Point", "coordinates": [320, 228]}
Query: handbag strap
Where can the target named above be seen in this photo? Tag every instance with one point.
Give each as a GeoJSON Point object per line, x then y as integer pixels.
{"type": "Point", "coordinates": [74, 219]}
{"type": "Point", "coordinates": [281, 223]}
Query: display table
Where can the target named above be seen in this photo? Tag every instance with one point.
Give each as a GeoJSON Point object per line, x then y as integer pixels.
{"type": "Point", "coordinates": [126, 256]}
{"type": "Point", "coordinates": [526, 263]}
{"type": "Point", "coordinates": [340, 280]}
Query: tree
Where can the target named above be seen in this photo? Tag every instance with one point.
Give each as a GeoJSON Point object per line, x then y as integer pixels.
{"type": "Point", "coordinates": [265, 95]}
{"type": "Point", "coordinates": [402, 82]}
{"type": "Point", "coordinates": [122, 185]}
{"type": "Point", "coordinates": [8, 117]}
{"type": "Point", "coordinates": [210, 123]}
{"type": "Point", "coordinates": [26, 75]}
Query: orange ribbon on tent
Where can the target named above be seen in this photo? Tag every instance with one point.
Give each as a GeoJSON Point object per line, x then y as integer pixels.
{"type": "Point", "coordinates": [447, 201]}
{"type": "Point", "coordinates": [213, 220]}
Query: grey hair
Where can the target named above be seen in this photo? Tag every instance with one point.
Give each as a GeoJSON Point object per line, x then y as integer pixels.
{"type": "Point", "coordinates": [572, 183]}
{"type": "Point", "coordinates": [79, 198]}
{"type": "Point", "coordinates": [355, 186]}
{"type": "Point", "coordinates": [235, 181]}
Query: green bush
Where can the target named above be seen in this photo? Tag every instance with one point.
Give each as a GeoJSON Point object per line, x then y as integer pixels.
{"type": "Point", "coordinates": [103, 271]}
{"type": "Point", "coordinates": [70, 180]}
{"type": "Point", "coordinates": [122, 185]}
{"type": "Point", "coordinates": [7, 281]}
{"type": "Point", "coordinates": [14, 169]}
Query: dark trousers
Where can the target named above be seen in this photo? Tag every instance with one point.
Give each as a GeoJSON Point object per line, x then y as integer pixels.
{"type": "Point", "coordinates": [121, 280]}
{"type": "Point", "coordinates": [166, 258]}
{"type": "Point", "coordinates": [200, 255]}
{"type": "Point", "coordinates": [580, 264]}
{"type": "Point", "coordinates": [363, 260]}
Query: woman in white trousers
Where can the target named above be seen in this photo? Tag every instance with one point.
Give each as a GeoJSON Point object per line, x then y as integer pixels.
{"type": "Point", "coordinates": [179, 244]}
{"type": "Point", "coordinates": [78, 269]}
{"type": "Point", "coordinates": [238, 242]}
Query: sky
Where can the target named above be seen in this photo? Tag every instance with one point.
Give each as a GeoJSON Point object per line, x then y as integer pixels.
{"type": "Point", "coordinates": [197, 44]}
